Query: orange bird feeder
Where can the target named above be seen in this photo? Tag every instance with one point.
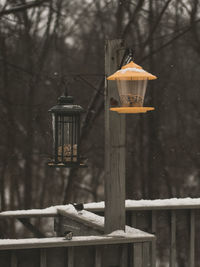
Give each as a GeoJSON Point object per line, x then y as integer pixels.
{"type": "Point", "coordinates": [132, 83]}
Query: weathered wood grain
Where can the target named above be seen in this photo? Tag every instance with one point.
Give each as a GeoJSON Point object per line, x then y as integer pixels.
{"type": "Point", "coordinates": [5, 258]}
{"type": "Point", "coordinates": [85, 218]}
{"type": "Point", "coordinates": [33, 229]}
{"type": "Point", "coordinates": [13, 260]}
{"type": "Point", "coordinates": [151, 205]}
{"type": "Point", "coordinates": [115, 143]}
{"type": "Point", "coordinates": [123, 255]}
{"type": "Point", "coordinates": [43, 258]}
{"type": "Point", "coordinates": [70, 257]}
{"type": "Point", "coordinates": [28, 213]}
{"type": "Point", "coordinates": [134, 219]}
{"type": "Point", "coordinates": [28, 258]}
{"type": "Point", "coordinates": [153, 243]}
{"type": "Point", "coordinates": [77, 228]}
{"type": "Point", "coordinates": [138, 236]}
{"type": "Point", "coordinates": [145, 254]}
{"type": "Point", "coordinates": [98, 256]}
{"type": "Point", "coordinates": [137, 255]}
{"type": "Point", "coordinates": [173, 240]}
{"type": "Point", "coordinates": [192, 238]}
{"type": "Point", "coordinates": [56, 257]}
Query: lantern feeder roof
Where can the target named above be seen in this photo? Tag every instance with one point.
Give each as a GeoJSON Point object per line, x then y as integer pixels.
{"type": "Point", "coordinates": [65, 106]}
{"type": "Point", "coordinates": [131, 71]}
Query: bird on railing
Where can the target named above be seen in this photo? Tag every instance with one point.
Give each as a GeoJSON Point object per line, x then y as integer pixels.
{"type": "Point", "coordinates": [79, 207]}
{"type": "Point", "coordinates": [68, 235]}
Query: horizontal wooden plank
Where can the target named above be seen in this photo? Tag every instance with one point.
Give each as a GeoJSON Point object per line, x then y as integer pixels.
{"type": "Point", "coordinates": [163, 204]}
{"type": "Point", "coordinates": [157, 204]}
{"type": "Point", "coordinates": [138, 236]}
{"type": "Point", "coordinates": [28, 213]}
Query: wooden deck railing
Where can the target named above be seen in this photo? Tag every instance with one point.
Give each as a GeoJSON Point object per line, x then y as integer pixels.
{"type": "Point", "coordinates": [175, 223]}
{"type": "Point", "coordinates": [132, 248]}
{"type": "Point", "coordinates": [94, 251]}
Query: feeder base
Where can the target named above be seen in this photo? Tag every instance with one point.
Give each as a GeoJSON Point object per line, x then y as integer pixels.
{"type": "Point", "coordinates": [130, 110]}
{"type": "Point", "coordinates": [67, 165]}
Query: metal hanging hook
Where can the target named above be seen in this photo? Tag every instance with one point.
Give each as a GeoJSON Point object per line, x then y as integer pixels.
{"type": "Point", "coordinates": [64, 84]}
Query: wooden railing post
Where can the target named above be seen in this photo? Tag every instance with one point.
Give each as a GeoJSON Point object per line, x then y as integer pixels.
{"type": "Point", "coordinates": [98, 256]}
{"type": "Point", "coordinates": [70, 257]}
{"type": "Point", "coordinates": [192, 238]}
{"type": "Point", "coordinates": [43, 257]}
{"type": "Point", "coordinates": [114, 146]}
{"type": "Point", "coordinates": [13, 262]}
{"type": "Point", "coordinates": [173, 239]}
{"type": "Point", "coordinates": [153, 244]}
{"type": "Point", "coordinates": [137, 255]}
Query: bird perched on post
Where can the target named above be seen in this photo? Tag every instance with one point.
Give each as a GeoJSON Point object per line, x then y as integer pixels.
{"type": "Point", "coordinates": [79, 207]}
{"type": "Point", "coordinates": [113, 102]}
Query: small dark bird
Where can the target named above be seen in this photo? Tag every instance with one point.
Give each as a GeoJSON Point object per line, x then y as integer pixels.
{"type": "Point", "coordinates": [113, 102]}
{"type": "Point", "coordinates": [79, 207]}
{"type": "Point", "coordinates": [68, 235]}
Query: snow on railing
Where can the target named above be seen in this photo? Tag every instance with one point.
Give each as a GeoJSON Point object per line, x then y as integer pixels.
{"type": "Point", "coordinates": [147, 215]}
{"type": "Point", "coordinates": [158, 204]}
{"type": "Point", "coordinates": [133, 245]}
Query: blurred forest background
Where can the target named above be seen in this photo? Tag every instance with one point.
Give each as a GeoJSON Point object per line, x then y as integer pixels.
{"type": "Point", "coordinates": [46, 45]}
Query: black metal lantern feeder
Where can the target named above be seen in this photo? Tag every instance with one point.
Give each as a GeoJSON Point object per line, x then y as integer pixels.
{"type": "Point", "coordinates": [66, 133]}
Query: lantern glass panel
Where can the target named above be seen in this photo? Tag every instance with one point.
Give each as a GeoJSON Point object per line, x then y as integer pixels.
{"type": "Point", "coordinates": [132, 92]}
{"type": "Point", "coordinates": [67, 138]}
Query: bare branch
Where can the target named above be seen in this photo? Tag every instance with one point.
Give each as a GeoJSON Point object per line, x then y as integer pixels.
{"type": "Point", "coordinates": [169, 42]}
{"type": "Point", "coordinates": [131, 21]}
{"type": "Point", "coordinates": [155, 25]}
{"type": "Point", "coordinates": [19, 8]}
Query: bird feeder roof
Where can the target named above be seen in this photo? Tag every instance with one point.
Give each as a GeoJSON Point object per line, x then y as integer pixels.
{"type": "Point", "coordinates": [65, 106]}
{"type": "Point", "coordinates": [131, 71]}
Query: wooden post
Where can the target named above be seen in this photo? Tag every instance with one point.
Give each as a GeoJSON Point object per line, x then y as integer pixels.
{"type": "Point", "coordinates": [153, 243]}
{"type": "Point", "coordinates": [114, 145]}
{"type": "Point", "coordinates": [13, 259]}
{"type": "Point", "coordinates": [43, 257]}
{"type": "Point", "coordinates": [173, 239]}
{"type": "Point", "coordinates": [192, 238]}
